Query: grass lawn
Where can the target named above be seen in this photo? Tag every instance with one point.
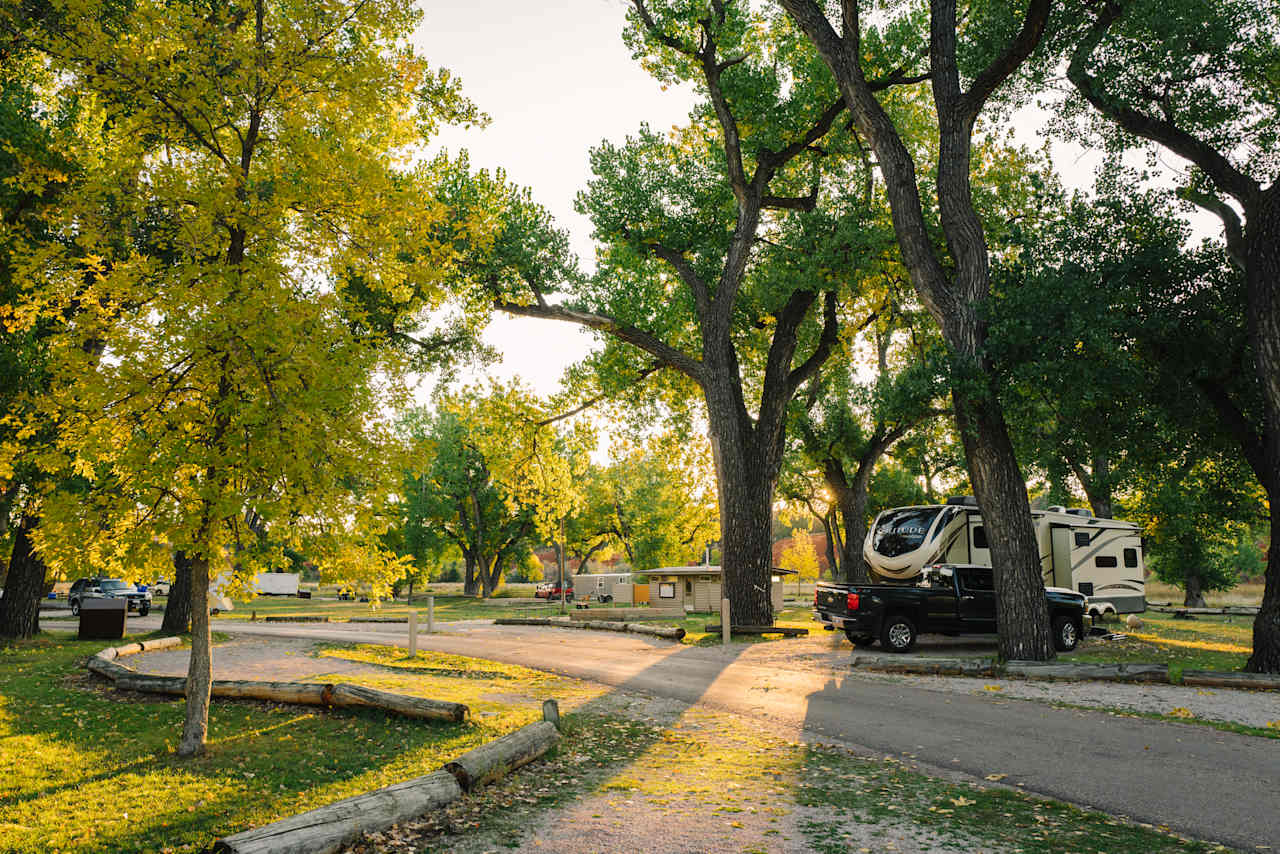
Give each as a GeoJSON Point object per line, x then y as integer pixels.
{"type": "Point", "coordinates": [1205, 643]}
{"type": "Point", "coordinates": [86, 768]}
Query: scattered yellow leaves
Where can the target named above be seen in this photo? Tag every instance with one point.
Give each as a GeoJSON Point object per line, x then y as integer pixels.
{"type": "Point", "coordinates": [995, 778]}
{"type": "Point", "coordinates": [1181, 712]}
{"type": "Point", "coordinates": [992, 687]}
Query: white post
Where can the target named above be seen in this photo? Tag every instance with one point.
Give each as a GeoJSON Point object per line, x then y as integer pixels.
{"type": "Point", "coordinates": [724, 620]}
{"type": "Point", "coordinates": [413, 633]}
{"type": "Point", "coordinates": [431, 614]}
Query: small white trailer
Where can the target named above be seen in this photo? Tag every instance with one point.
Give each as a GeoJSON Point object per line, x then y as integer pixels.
{"type": "Point", "coordinates": [600, 586]}
{"type": "Point", "coordinates": [1101, 558]}
{"type": "Point", "coordinates": [277, 583]}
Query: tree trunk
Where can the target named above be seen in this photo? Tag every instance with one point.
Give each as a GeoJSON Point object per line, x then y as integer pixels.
{"type": "Point", "coordinates": [746, 529]}
{"type": "Point", "coordinates": [469, 578]}
{"type": "Point", "coordinates": [1194, 590]}
{"type": "Point", "coordinates": [1023, 612]}
{"type": "Point", "coordinates": [1262, 279]}
{"type": "Point", "coordinates": [833, 562]}
{"type": "Point", "coordinates": [177, 608]}
{"type": "Point", "coordinates": [24, 585]}
{"type": "Point", "coordinates": [200, 670]}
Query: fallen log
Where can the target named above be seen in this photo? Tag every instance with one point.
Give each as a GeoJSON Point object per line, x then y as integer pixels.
{"type": "Point", "coordinates": [346, 695]}
{"type": "Point", "coordinates": [1228, 679]}
{"type": "Point", "coordinates": [107, 668]}
{"type": "Point", "coordinates": [523, 621]}
{"type": "Point", "coordinates": [667, 632]}
{"type": "Point", "coordinates": [161, 643]}
{"type": "Point", "coordinates": [491, 761]}
{"type": "Point", "coordinates": [326, 829]}
{"type": "Point", "coordinates": [300, 619]}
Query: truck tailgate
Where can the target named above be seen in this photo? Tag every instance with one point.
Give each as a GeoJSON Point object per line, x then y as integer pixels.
{"type": "Point", "coordinates": [831, 600]}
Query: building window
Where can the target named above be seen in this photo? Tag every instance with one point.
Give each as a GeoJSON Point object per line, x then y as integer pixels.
{"type": "Point", "coordinates": [688, 588]}
{"type": "Point", "coordinates": [980, 537]}
{"type": "Point", "coordinates": [1106, 562]}
{"type": "Point", "coordinates": [1082, 538]}
{"type": "Point", "coordinates": [1131, 558]}
{"type": "Point", "coordinates": [666, 590]}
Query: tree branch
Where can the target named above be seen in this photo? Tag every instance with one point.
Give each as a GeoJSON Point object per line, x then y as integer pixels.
{"type": "Point", "coordinates": [990, 78]}
{"type": "Point", "coordinates": [646, 341]}
{"type": "Point", "coordinates": [1218, 168]}
{"type": "Point", "coordinates": [639, 378]}
{"type": "Point", "coordinates": [830, 333]}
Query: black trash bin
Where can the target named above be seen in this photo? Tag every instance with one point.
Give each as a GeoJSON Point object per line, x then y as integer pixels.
{"type": "Point", "coordinates": [102, 619]}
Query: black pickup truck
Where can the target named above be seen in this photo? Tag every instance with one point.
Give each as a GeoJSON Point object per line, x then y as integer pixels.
{"type": "Point", "coordinates": [949, 599]}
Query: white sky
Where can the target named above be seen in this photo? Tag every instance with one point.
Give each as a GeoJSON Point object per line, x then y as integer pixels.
{"type": "Point", "coordinates": [556, 80]}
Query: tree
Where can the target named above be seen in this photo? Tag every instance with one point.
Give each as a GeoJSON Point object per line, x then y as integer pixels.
{"type": "Point", "coordinates": [488, 479]}
{"type": "Point", "coordinates": [724, 247]}
{"type": "Point", "coordinates": [1195, 510]}
{"type": "Point", "coordinates": [233, 377]}
{"type": "Point", "coordinates": [954, 285]}
{"type": "Point", "coordinates": [847, 427]}
{"type": "Point", "coordinates": [1198, 79]}
{"type": "Point", "coordinates": [800, 555]}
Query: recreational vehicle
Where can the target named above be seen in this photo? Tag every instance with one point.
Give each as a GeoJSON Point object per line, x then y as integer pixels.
{"type": "Point", "coordinates": [1101, 558]}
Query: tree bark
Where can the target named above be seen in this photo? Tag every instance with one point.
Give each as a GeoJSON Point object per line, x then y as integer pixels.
{"type": "Point", "coordinates": [177, 608]}
{"type": "Point", "coordinates": [1262, 281]}
{"type": "Point", "coordinates": [469, 576]}
{"type": "Point", "coordinates": [23, 586]}
{"type": "Point", "coordinates": [200, 670]}
{"type": "Point", "coordinates": [1193, 589]}
{"type": "Point", "coordinates": [1006, 513]}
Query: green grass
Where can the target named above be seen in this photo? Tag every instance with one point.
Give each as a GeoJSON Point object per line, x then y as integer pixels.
{"type": "Point", "coordinates": [85, 768]}
{"type": "Point", "coordinates": [1205, 643]}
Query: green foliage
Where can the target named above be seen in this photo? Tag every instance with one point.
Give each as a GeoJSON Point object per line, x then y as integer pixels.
{"type": "Point", "coordinates": [1196, 512]}
{"type": "Point", "coordinates": [487, 479]}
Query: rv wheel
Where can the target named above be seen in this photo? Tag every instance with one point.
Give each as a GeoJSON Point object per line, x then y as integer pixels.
{"type": "Point", "coordinates": [898, 634]}
{"type": "Point", "coordinates": [1065, 634]}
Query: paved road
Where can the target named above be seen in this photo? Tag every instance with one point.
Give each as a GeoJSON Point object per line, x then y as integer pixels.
{"type": "Point", "coordinates": [1195, 780]}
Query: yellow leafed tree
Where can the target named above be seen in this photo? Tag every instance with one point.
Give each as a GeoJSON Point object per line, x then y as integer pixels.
{"type": "Point", "coordinates": [215, 366]}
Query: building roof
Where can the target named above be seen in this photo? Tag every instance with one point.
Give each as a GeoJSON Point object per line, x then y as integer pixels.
{"type": "Point", "coordinates": [704, 570]}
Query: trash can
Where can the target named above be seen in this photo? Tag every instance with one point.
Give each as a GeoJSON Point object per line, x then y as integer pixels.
{"type": "Point", "coordinates": [102, 619]}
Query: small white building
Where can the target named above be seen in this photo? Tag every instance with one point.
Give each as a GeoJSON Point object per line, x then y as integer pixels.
{"type": "Point", "coordinates": [697, 588]}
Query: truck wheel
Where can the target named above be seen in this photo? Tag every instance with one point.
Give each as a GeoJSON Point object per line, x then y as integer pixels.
{"type": "Point", "coordinates": [858, 639]}
{"type": "Point", "coordinates": [144, 610]}
{"type": "Point", "coordinates": [1065, 634]}
{"type": "Point", "coordinates": [75, 607]}
{"type": "Point", "coordinates": [898, 634]}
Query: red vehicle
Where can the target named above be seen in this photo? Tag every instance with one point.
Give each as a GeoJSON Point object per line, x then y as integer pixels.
{"type": "Point", "coordinates": [550, 590]}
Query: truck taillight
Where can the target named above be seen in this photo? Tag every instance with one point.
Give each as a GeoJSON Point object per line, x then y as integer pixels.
{"type": "Point", "coordinates": [815, 597]}
{"type": "Point", "coordinates": [851, 601]}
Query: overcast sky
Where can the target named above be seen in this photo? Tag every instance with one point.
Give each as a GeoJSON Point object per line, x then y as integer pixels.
{"type": "Point", "coordinates": [556, 79]}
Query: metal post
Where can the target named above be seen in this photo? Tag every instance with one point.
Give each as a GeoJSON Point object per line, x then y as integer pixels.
{"type": "Point", "coordinates": [413, 633]}
{"type": "Point", "coordinates": [724, 621]}
{"type": "Point", "coordinates": [431, 614]}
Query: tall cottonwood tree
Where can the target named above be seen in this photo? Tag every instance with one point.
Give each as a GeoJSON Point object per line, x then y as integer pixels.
{"type": "Point", "coordinates": [952, 284]}
{"type": "Point", "coordinates": [1199, 80]}
{"type": "Point", "coordinates": [716, 259]}
{"type": "Point", "coordinates": [232, 377]}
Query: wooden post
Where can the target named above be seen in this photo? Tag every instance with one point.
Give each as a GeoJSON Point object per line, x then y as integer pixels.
{"type": "Point", "coordinates": [431, 614]}
{"type": "Point", "coordinates": [413, 633]}
{"type": "Point", "coordinates": [724, 620]}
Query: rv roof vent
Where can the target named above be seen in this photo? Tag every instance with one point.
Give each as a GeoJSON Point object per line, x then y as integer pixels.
{"type": "Point", "coordinates": [1055, 508]}
{"type": "Point", "coordinates": [1080, 511]}
{"type": "Point", "coordinates": [963, 500]}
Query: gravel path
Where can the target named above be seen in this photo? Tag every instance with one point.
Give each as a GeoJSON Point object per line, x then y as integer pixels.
{"type": "Point", "coordinates": [267, 659]}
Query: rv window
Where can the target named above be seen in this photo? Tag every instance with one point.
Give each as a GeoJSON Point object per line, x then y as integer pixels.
{"type": "Point", "coordinates": [901, 531]}
{"type": "Point", "coordinates": [1082, 538]}
{"type": "Point", "coordinates": [1086, 587]}
{"type": "Point", "coordinates": [1131, 558]}
{"type": "Point", "coordinates": [1106, 561]}
{"type": "Point", "coordinates": [980, 537]}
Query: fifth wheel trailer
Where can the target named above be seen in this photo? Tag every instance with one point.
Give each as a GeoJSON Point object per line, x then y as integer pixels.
{"type": "Point", "coordinates": [1101, 558]}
